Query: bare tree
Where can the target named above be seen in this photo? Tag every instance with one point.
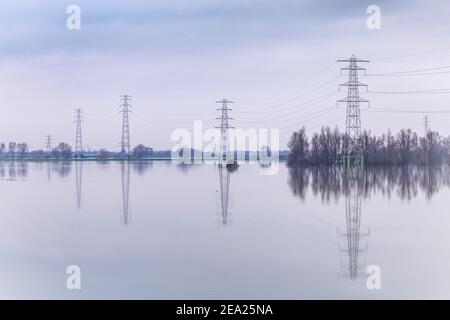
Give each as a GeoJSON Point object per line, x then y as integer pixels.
{"type": "Point", "coordinates": [12, 149]}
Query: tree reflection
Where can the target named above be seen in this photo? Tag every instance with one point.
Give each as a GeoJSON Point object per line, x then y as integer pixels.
{"type": "Point", "coordinates": [405, 182]}
{"type": "Point", "coordinates": [12, 170]}
{"type": "Point", "coordinates": [141, 167]}
{"type": "Point", "coordinates": [63, 168]}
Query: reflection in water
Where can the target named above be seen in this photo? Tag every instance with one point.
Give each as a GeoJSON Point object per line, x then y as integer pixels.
{"type": "Point", "coordinates": [224, 188]}
{"type": "Point", "coordinates": [329, 183]}
{"type": "Point", "coordinates": [63, 169]}
{"type": "Point", "coordinates": [15, 170]}
{"type": "Point", "coordinates": [125, 173]}
{"type": "Point", "coordinates": [22, 169]}
{"type": "Point", "coordinates": [79, 180]}
{"type": "Point", "coordinates": [2, 170]}
{"type": "Point", "coordinates": [49, 172]}
{"type": "Point", "coordinates": [353, 183]}
{"type": "Point", "coordinates": [141, 167]}
{"type": "Point", "coordinates": [12, 172]}
{"type": "Point", "coordinates": [332, 183]}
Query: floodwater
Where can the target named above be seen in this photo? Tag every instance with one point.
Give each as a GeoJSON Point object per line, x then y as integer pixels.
{"type": "Point", "coordinates": [165, 231]}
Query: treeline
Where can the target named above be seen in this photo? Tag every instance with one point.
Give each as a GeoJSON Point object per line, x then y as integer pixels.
{"type": "Point", "coordinates": [20, 151]}
{"type": "Point", "coordinates": [330, 145]}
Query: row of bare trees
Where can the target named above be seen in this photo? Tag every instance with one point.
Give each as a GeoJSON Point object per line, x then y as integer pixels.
{"type": "Point", "coordinates": [21, 151]}
{"type": "Point", "coordinates": [329, 145]}
{"type": "Point", "coordinates": [62, 151]}
{"type": "Point", "coordinates": [14, 150]}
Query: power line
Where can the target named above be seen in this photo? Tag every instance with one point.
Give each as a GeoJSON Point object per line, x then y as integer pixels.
{"type": "Point", "coordinates": [276, 106]}
{"type": "Point", "coordinates": [396, 58]}
{"type": "Point", "coordinates": [314, 116]}
{"type": "Point", "coordinates": [307, 106]}
{"type": "Point", "coordinates": [326, 124]}
{"type": "Point", "coordinates": [408, 74]}
{"type": "Point", "coordinates": [430, 91]}
{"type": "Point", "coordinates": [393, 110]}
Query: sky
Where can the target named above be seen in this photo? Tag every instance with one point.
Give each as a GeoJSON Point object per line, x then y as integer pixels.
{"type": "Point", "coordinates": [276, 59]}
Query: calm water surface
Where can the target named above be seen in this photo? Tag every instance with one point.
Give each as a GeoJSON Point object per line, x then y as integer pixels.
{"type": "Point", "coordinates": [164, 231]}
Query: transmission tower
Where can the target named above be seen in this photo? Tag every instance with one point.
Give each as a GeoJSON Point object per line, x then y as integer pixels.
{"type": "Point", "coordinates": [426, 124]}
{"type": "Point", "coordinates": [48, 143]}
{"type": "Point", "coordinates": [353, 118]}
{"type": "Point", "coordinates": [224, 126]}
{"type": "Point", "coordinates": [125, 110]}
{"type": "Point", "coordinates": [79, 138]}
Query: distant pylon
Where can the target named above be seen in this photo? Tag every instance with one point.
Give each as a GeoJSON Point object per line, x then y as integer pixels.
{"type": "Point", "coordinates": [79, 138]}
{"type": "Point", "coordinates": [353, 118]}
{"type": "Point", "coordinates": [48, 143]}
{"type": "Point", "coordinates": [426, 123]}
{"type": "Point", "coordinates": [125, 110]}
{"type": "Point", "coordinates": [224, 126]}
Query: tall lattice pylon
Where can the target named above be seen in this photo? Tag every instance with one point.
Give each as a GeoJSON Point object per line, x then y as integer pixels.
{"type": "Point", "coordinates": [426, 124]}
{"type": "Point", "coordinates": [125, 110]}
{"type": "Point", "coordinates": [353, 118]}
{"type": "Point", "coordinates": [224, 126]}
{"type": "Point", "coordinates": [78, 135]}
{"type": "Point", "coordinates": [48, 143]}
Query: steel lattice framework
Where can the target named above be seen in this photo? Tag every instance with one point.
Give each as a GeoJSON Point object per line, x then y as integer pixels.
{"type": "Point", "coordinates": [224, 126]}
{"type": "Point", "coordinates": [79, 137]}
{"type": "Point", "coordinates": [353, 101]}
{"type": "Point", "coordinates": [125, 110]}
{"type": "Point", "coordinates": [48, 143]}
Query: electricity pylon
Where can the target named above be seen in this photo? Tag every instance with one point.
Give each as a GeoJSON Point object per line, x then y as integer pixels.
{"type": "Point", "coordinates": [125, 110]}
{"type": "Point", "coordinates": [426, 124]}
{"type": "Point", "coordinates": [224, 126]}
{"type": "Point", "coordinates": [48, 143]}
{"type": "Point", "coordinates": [353, 118]}
{"type": "Point", "coordinates": [79, 138]}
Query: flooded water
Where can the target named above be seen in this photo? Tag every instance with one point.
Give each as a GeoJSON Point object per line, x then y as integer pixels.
{"type": "Point", "coordinates": [165, 231]}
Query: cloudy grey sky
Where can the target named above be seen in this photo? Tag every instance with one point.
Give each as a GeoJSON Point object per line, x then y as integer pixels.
{"type": "Point", "coordinates": [177, 57]}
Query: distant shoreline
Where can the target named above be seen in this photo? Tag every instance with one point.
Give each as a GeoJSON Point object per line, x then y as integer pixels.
{"type": "Point", "coordinates": [119, 159]}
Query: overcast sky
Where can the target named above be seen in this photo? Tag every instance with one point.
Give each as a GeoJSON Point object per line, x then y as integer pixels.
{"type": "Point", "coordinates": [177, 57]}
